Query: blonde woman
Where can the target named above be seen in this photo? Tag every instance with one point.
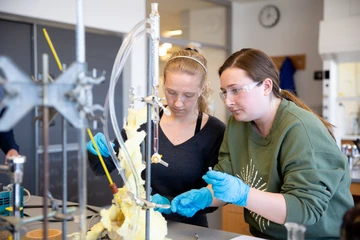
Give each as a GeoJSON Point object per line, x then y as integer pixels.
{"type": "Point", "coordinates": [189, 137]}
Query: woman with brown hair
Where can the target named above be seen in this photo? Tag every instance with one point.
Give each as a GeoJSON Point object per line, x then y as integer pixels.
{"type": "Point", "coordinates": [278, 159]}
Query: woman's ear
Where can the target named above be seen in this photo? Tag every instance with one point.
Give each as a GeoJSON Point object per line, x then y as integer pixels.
{"type": "Point", "coordinates": [202, 89]}
{"type": "Point", "coordinates": [268, 85]}
{"type": "Point", "coordinates": [163, 88]}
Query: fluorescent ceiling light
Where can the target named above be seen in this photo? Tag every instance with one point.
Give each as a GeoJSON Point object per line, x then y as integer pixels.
{"type": "Point", "coordinates": [162, 51]}
{"type": "Point", "coordinates": [167, 45]}
{"type": "Point", "coordinates": [172, 33]}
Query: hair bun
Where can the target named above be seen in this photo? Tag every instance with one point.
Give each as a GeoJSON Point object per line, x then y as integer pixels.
{"type": "Point", "coordinates": [196, 47]}
{"type": "Point", "coordinates": [191, 49]}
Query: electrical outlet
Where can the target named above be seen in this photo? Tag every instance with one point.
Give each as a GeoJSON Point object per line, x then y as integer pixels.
{"type": "Point", "coordinates": [318, 75]}
{"type": "Point", "coordinates": [327, 74]}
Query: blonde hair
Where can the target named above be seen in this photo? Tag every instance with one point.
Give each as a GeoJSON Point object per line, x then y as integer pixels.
{"type": "Point", "coordinates": [190, 61]}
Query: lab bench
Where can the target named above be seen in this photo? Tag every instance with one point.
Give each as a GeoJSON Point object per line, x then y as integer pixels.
{"type": "Point", "coordinates": [176, 231]}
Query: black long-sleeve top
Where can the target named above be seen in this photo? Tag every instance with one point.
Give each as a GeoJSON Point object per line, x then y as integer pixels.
{"type": "Point", "coordinates": [7, 140]}
{"type": "Point", "coordinates": [188, 162]}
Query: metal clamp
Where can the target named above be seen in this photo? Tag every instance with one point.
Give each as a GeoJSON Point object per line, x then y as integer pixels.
{"type": "Point", "coordinates": [145, 204]}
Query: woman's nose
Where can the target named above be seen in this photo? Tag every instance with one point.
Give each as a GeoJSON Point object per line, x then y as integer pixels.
{"type": "Point", "coordinates": [228, 101]}
{"type": "Point", "coordinates": [178, 100]}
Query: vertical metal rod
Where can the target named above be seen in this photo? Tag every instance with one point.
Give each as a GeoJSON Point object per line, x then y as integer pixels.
{"type": "Point", "coordinates": [153, 69]}
{"type": "Point", "coordinates": [82, 184]}
{"type": "Point", "coordinates": [16, 199]}
{"type": "Point", "coordinates": [155, 26]}
{"type": "Point", "coordinates": [17, 164]}
{"type": "Point", "coordinates": [148, 144]}
{"type": "Point", "coordinates": [45, 142]}
{"type": "Point", "coordinates": [36, 157]}
{"type": "Point", "coordinates": [80, 33]}
{"type": "Point", "coordinates": [16, 205]}
{"type": "Point", "coordinates": [64, 143]}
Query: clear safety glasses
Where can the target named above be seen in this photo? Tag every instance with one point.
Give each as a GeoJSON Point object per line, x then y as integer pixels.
{"type": "Point", "coordinates": [234, 92]}
{"type": "Point", "coordinates": [189, 96]}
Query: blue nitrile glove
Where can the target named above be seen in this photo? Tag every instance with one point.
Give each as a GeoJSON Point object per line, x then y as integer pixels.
{"type": "Point", "coordinates": [157, 198]}
{"type": "Point", "coordinates": [228, 188]}
{"type": "Point", "coordinates": [188, 203]}
{"type": "Point", "coordinates": [101, 143]}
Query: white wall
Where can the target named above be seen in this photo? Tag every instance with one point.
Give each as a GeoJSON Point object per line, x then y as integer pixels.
{"type": "Point", "coordinates": [209, 25]}
{"type": "Point", "coordinates": [111, 15]}
{"type": "Point", "coordinates": [335, 9]}
{"type": "Point", "coordinates": [296, 33]}
{"type": "Point", "coordinates": [340, 31]}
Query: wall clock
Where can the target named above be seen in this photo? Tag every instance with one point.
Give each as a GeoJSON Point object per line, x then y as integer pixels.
{"type": "Point", "coordinates": [269, 16]}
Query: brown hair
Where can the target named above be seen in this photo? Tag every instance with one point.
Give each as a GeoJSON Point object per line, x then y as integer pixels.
{"type": "Point", "coordinates": [176, 63]}
{"type": "Point", "coordinates": [260, 66]}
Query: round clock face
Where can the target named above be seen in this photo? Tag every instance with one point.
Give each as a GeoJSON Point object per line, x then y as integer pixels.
{"type": "Point", "coordinates": [269, 16]}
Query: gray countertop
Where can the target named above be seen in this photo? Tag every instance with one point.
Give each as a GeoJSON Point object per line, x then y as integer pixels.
{"type": "Point", "coordinates": [176, 231]}
{"type": "Point", "coordinates": [180, 231]}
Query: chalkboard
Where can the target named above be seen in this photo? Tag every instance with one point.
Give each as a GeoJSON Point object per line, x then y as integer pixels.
{"type": "Point", "coordinates": [98, 190]}
{"type": "Point", "coordinates": [17, 41]}
{"type": "Point", "coordinates": [101, 51]}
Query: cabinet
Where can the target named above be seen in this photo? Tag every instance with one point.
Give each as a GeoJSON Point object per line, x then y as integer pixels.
{"type": "Point", "coordinates": [348, 98]}
{"type": "Point", "coordinates": [355, 189]}
{"type": "Point", "coordinates": [233, 219]}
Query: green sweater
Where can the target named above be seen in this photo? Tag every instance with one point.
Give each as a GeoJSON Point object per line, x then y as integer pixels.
{"type": "Point", "coordinates": [298, 159]}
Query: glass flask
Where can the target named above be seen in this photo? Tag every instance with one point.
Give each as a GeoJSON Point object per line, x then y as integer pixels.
{"type": "Point", "coordinates": [295, 231]}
